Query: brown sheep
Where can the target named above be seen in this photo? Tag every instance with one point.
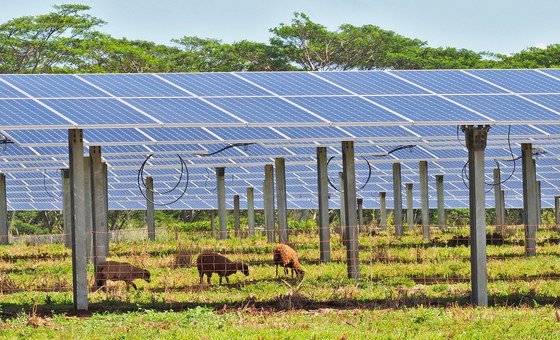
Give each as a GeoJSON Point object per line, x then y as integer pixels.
{"type": "Point", "coordinates": [209, 263]}
{"type": "Point", "coordinates": [120, 271]}
{"type": "Point", "coordinates": [286, 257]}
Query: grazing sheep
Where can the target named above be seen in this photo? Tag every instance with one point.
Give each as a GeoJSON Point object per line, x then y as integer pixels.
{"type": "Point", "coordinates": [286, 257]}
{"type": "Point", "coordinates": [120, 271]}
{"type": "Point", "coordinates": [209, 263]}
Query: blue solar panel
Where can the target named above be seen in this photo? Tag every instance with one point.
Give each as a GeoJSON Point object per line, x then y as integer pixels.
{"type": "Point", "coordinates": [437, 131]}
{"type": "Point", "coordinates": [315, 132]}
{"type": "Point", "coordinates": [178, 148]}
{"type": "Point", "coordinates": [245, 133]}
{"type": "Point", "coordinates": [552, 72]}
{"type": "Point", "coordinates": [347, 109]}
{"type": "Point", "coordinates": [19, 112]}
{"type": "Point", "coordinates": [372, 83]}
{"type": "Point", "coordinates": [134, 85]}
{"type": "Point", "coordinates": [14, 151]}
{"type": "Point", "coordinates": [448, 82]}
{"type": "Point", "coordinates": [521, 81]}
{"type": "Point", "coordinates": [377, 132]}
{"type": "Point", "coordinates": [179, 134]}
{"type": "Point", "coordinates": [506, 108]}
{"type": "Point", "coordinates": [428, 109]}
{"type": "Point", "coordinates": [550, 101]}
{"type": "Point", "coordinates": [93, 136]}
{"type": "Point", "coordinates": [98, 111]}
{"type": "Point", "coordinates": [39, 136]}
{"type": "Point", "coordinates": [182, 110]}
{"type": "Point", "coordinates": [214, 84]}
{"type": "Point", "coordinates": [53, 86]}
{"type": "Point", "coordinates": [265, 110]}
{"type": "Point", "coordinates": [7, 91]}
{"type": "Point", "coordinates": [292, 83]}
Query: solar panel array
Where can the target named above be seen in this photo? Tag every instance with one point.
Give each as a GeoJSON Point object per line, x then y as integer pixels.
{"type": "Point", "coordinates": [281, 114]}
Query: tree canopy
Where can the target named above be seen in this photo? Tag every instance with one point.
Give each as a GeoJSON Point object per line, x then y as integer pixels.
{"type": "Point", "coordinates": [68, 40]}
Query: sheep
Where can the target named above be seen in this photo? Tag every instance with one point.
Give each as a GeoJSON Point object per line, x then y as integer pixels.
{"type": "Point", "coordinates": [286, 257]}
{"type": "Point", "coordinates": [120, 271]}
{"type": "Point", "coordinates": [209, 263]}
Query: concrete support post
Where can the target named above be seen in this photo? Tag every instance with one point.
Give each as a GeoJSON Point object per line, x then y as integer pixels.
{"type": "Point", "coordinates": [529, 199]}
{"type": "Point", "coordinates": [66, 207]}
{"type": "Point", "coordinates": [383, 211]}
{"type": "Point", "coordinates": [150, 208]}
{"type": "Point", "coordinates": [281, 202]}
{"type": "Point", "coordinates": [251, 210]}
{"type": "Point", "coordinates": [98, 206]}
{"type": "Point", "coordinates": [498, 201]}
{"type": "Point", "coordinates": [222, 217]}
{"type": "Point", "coordinates": [557, 210]}
{"type": "Point", "coordinates": [88, 212]}
{"type": "Point", "coordinates": [106, 202]}
{"type": "Point", "coordinates": [269, 202]}
{"type": "Point", "coordinates": [342, 209]}
{"type": "Point", "coordinates": [409, 206]}
{"type": "Point", "coordinates": [349, 180]}
{"type": "Point", "coordinates": [397, 199]}
{"type": "Point", "coordinates": [539, 203]}
{"type": "Point", "coordinates": [504, 208]}
{"type": "Point", "coordinates": [3, 211]}
{"type": "Point", "coordinates": [475, 140]}
{"type": "Point", "coordinates": [361, 227]}
{"type": "Point", "coordinates": [440, 202]}
{"type": "Point", "coordinates": [323, 195]}
{"type": "Point", "coordinates": [78, 206]}
{"type": "Point", "coordinates": [236, 216]}
{"type": "Point", "coordinates": [424, 200]}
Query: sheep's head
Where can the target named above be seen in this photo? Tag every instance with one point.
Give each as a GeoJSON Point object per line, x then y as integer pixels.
{"type": "Point", "coordinates": [244, 268]}
{"type": "Point", "coordinates": [146, 276]}
{"type": "Point", "coordinates": [299, 272]}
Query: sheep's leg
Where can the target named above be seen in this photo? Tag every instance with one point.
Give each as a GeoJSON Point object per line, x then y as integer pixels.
{"type": "Point", "coordinates": [133, 285]}
{"type": "Point", "coordinates": [292, 273]}
{"type": "Point", "coordinates": [277, 270]}
{"type": "Point", "coordinates": [201, 276]}
{"type": "Point", "coordinates": [227, 279]}
{"type": "Point", "coordinates": [127, 285]}
{"type": "Point", "coordinates": [285, 271]}
{"type": "Point", "coordinates": [220, 279]}
{"type": "Point", "coordinates": [209, 277]}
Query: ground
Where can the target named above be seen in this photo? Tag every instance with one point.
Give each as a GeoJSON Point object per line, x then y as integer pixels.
{"type": "Point", "coordinates": [408, 288]}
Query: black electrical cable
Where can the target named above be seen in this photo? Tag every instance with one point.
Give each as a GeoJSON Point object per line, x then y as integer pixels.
{"type": "Point", "coordinates": [206, 181]}
{"type": "Point", "coordinates": [358, 189]}
{"type": "Point", "coordinates": [224, 149]}
{"type": "Point", "coordinates": [140, 180]}
{"type": "Point", "coordinates": [402, 147]}
{"type": "Point", "coordinates": [183, 165]}
{"type": "Point", "coordinates": [513, 159]}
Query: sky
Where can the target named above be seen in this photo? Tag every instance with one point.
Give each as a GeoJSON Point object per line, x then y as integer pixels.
{"type": "Point", "coordinates": [502, 26]}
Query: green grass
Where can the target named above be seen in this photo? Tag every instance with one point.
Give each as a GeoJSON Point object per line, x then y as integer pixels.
{"type": "Point", "coordinates": [408, 287]}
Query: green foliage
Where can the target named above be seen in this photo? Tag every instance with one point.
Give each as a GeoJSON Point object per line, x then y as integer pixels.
{"type": "Point", "coordinates": [67, 40]}
{"type": "Point", "coordinates": [45, 43]}
{"type": "Point", "coordinates": [191, 226]}
{"type": "Point", "coordinates": [302, 225]}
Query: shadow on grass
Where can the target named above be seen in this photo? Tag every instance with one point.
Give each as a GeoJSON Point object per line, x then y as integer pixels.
{"type": "Point", "coordinates": [403, 299]}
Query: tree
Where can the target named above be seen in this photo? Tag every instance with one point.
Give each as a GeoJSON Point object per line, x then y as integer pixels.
{"type": "Point", "coordinates": [211, 55]}
{"type": "Point", "coordinates": [45, 43]}
{"type": "Point", "coordinates": [533, 57]}
{"type": "Point", "coordinates": [313, 47]}
{"type": "Point", "coordinates": [105, 54]}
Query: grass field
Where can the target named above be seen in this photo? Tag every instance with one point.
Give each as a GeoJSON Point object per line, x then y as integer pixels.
{"type": "Point", "coordinates": [408, 287]}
